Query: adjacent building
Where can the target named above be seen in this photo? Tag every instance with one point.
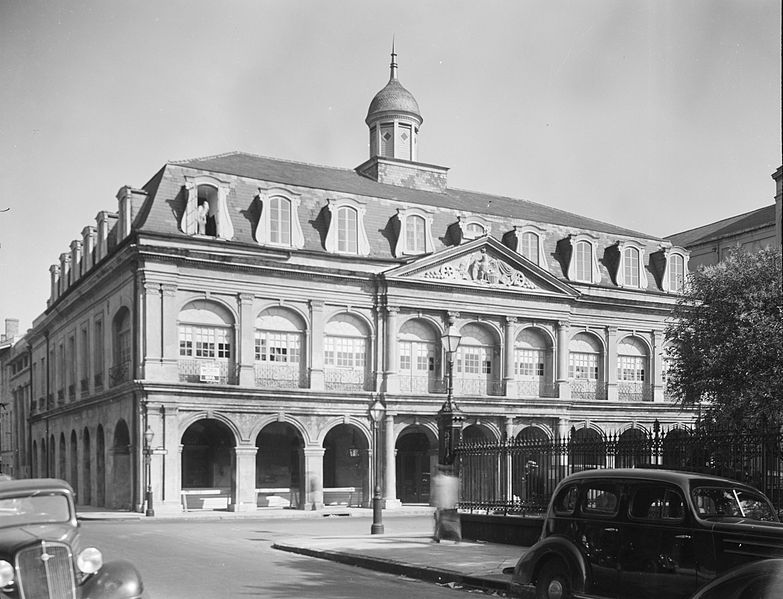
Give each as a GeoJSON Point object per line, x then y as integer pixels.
{"type": "Point", "coordinates": [219, 338]}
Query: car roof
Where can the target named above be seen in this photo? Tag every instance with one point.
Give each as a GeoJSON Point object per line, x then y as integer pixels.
{"type": "Point", "coordinates": [32, 485]}
{"type": "Point", "coordinates": [678, 477]}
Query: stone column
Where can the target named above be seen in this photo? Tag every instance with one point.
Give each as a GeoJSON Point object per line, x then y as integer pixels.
{"type": "Point", "coordinates": [508, 343]}
{"type": "Point", "coordinates": [167, 463]}
{"type": "Point", "coordinates": [246, 341]}
{"type": "Point", "coordinates": [169, 332]}
{"type": "Point", "coordinates": [611, 364]}
{"type": "Point", "coordinates": [562, 381]}
{"type": "Point", "coordinates": [314, 478]}
{"type": "Point", "coordinates": [656, 381]}
{"type": "Point", "coordinates": [509, 437]}
{"type": "Point", "coordinates": [316, 344]}
{"type": "Point", "coordinates": [392, 352]}
{"type": "Point", "coordinates": [390, 498]}
{"type": "Point", "coordinates": [244, 492]}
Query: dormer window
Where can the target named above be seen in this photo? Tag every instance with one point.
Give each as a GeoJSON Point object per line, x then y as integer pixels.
{"type": "Point", "coordinates": [577, 254]}
{"type": "Point", "coordinates": [414, 234]}
{"type": "Point", "coordinates": [527, 240]}
{"type": "Point", "coordinates": [467, 229]}
{"type": "Point", "coordinates": [206, 210]}
{"type": "Point", "coordinates": [474, 231]}
{"type": "Point", "coordinates": [675, 270]}
{"type": "Point", "coordinates": [346, 233]}
{"type": "Point", "coordinates": [630, 270]}
{"type": "Point", "coordinates": [279, 222]}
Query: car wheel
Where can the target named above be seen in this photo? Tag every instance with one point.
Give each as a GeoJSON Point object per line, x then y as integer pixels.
{"type": "Point", "coordinates": [553, 582]}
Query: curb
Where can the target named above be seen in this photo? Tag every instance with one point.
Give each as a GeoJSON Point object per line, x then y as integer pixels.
{"type": "Point", "coordinates": [425, 573]}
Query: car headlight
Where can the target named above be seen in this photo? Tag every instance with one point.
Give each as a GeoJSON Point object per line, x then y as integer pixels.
{"type": "Point", "coordinates": [90, 560]}
{"type": "Point", "coordinates": [6, 574]}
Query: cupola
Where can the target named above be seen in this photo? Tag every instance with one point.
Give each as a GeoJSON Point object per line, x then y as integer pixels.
{"type": "Point", "coordinates": [394, 120]}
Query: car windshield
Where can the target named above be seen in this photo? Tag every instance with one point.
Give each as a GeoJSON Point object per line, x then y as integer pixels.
{"type": "Point", "coordinates": [730, 502]}
{"type": "Point", "coordinates": [34, 509]}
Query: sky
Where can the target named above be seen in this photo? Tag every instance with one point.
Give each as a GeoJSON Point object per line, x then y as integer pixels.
{"type": "Point", "coordinates": [655, 115]}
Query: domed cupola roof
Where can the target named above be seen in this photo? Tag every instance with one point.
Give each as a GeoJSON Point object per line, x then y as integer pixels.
{"type": "Point", "coordinates": [393, 99]}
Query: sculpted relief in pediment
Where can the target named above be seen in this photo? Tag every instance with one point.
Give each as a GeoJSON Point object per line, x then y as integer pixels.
{"type": "Point", "coordinates": [479, 268]}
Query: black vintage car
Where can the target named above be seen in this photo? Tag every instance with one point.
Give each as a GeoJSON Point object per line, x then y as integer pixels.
{"type": "Point", "coordinates": [645, 533]}
{"type": "Point", "coordinates": [40, 553]}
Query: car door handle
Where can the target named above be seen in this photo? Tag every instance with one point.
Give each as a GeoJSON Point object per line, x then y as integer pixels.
{"type": "Point", "coordinates": [610, 529]}
{"type": "Point", "coordinates": [682, 536]}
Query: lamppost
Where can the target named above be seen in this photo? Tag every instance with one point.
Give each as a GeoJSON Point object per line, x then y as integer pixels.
{"type": "Point", "coordinates": [149, 434]}
{"type": "Point", "coordinates": [449, 415]}
{"type": "Point", "coordinates": [376, 413]}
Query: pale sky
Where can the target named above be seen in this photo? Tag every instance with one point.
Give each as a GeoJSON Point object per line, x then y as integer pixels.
{"type": "Point", "coordinates": [654, 115]}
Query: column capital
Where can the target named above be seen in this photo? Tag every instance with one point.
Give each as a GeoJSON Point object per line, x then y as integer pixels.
{"type": "Point", "coordinates": [563, 324]}
{"type": "Point", "coordinates": [151, 288]}
{"type": "Point", "coordinates": [451, 317]}
{"type": "Point", "coordinates": [392, 310]}
{"type": "Point", "coordinates": [246, 298]}
{"type": "Point", "coordinates": [611, 330]}
{"type": "Point", "coordinates": [511, 319]}
{"type": "Point", "coordinates": [316, 303]}
{"type": "Point", "coordinates": [169, 289]}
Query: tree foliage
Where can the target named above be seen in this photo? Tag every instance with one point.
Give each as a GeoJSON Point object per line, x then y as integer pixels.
{"type": "Point", "coordinates": [726, 341]}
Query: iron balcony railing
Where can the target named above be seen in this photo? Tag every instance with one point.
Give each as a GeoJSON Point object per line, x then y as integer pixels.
{"type": "Point", "coordinates": [196, 370]}
{"type": "Point", "coordinates": [634, 391]}
{"type": "Point", "coordinates": [346, 379]}
{"type": "Point", "coordinates": [588, 389]}
{"type": "Point", "coordinates": [530, 388]}
{"type": "Point", "coordinates": [119, 373]}
{"type": "Point", "coordinates": [421, 385]}
{"type": "Point", "coordinates": [276, 375]}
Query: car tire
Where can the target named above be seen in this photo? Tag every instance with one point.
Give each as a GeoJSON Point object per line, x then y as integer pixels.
{"type": "Point", "coordinates": [553, 582]}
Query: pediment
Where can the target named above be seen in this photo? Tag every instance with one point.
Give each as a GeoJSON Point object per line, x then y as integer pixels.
{"type": "Point", "coordinates": [485, 263]}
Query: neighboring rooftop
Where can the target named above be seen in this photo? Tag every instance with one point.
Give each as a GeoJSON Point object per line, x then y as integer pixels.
{"type": "Point", "coordinates": [748, 221]}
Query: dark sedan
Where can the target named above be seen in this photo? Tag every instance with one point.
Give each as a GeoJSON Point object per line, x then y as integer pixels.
{"type": "Point", "coordinates": [41, 556]}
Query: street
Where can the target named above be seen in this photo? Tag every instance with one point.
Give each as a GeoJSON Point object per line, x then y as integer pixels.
{"type": "Point", "coordinates": [195, 559]}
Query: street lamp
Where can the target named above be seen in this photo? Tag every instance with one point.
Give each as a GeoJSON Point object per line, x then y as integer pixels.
{"type": "Point", "coordinates": [149, 434]}
{"type": "Point", "coordinates": [376, 413]}
{"type": "Point", "coordinates": [449, 415]}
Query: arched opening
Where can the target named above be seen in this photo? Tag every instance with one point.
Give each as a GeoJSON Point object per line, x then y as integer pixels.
{"type": "Point", "coordinates": [482, 481]}
{"type": "Point", "coordinates": [346, 466]}
{"type": "Point", "coordinates": [121, 468]}
{"type": "Point", "coordinates": [61, 461]}
{"type": "Point", "coordinates": [86, 468]}
{"type": "Point", "coordinates": [476, 369]}
{"type": "Point", "coordinates": [206, 343]}
{"type": "Point", "coordinates": [346, 353]}
{"type": "Point", "coordinates": [413, 466]}
{"type": "Point", "coordinates": [419, 365]}
{"type": "Point", "coordinates": [633, 380]}
{"type": "Point", "coordinates": [531, 463]}
{"type": "Point", "coordinates": [100, 466]}
{"type": "Point", "coordinates": [533, 374]}
{"type": "Point", "coordinates": [120, 371]}
{"type": "Point", "coordinates": [280, 349]}
{"type": "Point", "coordinates": [675, 449]}
{"type": "Point", "coordinates": [280, 469]}
{"type": "Point", "coordinates": [208, 456]}
{"type": "Point", "coordinates": [587, 450]}
{"type": "Point", "coordinates": [585, 365]}
{"type": "Point", "coordinates": [632, 449]}
{"type": "Point", "coordinates": [73, 462]}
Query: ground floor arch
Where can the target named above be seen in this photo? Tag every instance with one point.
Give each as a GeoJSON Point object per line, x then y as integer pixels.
{"type": "Point", "coordinates": [415, 450]}
{"type": "Point", "coordinates": [207, 455]}
{"type": "Point", "coordinates": [280, 466]}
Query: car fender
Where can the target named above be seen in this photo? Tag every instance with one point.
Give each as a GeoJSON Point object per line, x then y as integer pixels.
{"type": "Point", "coordinates": [530, 564]}
{"type": "Point", "coordinates": [115, 580]}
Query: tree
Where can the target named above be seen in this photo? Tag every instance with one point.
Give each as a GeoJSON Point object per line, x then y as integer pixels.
{"type": "Point", "coordinates": [726, 341]}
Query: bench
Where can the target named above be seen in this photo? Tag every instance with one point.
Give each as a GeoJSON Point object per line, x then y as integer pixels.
{"type": "Point", "coordinates": [205, 499]}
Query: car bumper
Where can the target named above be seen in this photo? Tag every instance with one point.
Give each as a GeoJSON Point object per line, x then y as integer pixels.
{"type": "Point", "coordinates": [524, 591]}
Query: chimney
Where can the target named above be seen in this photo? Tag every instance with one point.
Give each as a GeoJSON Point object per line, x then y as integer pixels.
{"type": "Point", "coordinates": [76, 260]}
{"type": "Point", "coordinates": [54, 277]}
{"type": "Point", "coordinates": [88, 248]}
{"type": "Point", "coordinates": [11, 328]}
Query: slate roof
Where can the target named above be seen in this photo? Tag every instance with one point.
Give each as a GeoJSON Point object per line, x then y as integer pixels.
{"type": "Point", "coordinates": [348, 181]}
{"type": "Point", "coordinates": [755, 219]}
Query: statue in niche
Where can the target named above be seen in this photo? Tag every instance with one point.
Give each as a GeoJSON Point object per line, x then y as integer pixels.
{"type": "Point", "coordinates": [201, 218]}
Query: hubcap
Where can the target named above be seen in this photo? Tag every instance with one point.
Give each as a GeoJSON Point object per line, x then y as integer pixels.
{"type": "Point", "coordinates": [555, 589]}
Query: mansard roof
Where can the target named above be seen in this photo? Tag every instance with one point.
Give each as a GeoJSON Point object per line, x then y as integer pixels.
{"type": "Point", "coordinates": [342, 180]}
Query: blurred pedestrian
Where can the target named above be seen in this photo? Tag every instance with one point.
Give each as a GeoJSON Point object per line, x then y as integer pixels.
{"type": "Point", "coordinates": [445, 492]}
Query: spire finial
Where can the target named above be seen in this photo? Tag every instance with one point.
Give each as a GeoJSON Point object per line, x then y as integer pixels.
{"type": "Point", "coordinates": [393, 68]}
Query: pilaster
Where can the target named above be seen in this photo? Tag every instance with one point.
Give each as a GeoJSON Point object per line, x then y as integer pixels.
{"type": "Point", "coordinates": [316, 345]}
{"type": "Point", "coordinates": [562, 381]}
{"type": "Point", "coordinates": [392, 351]}
{"type": "Point", "coordinates": [508, 354]}
{"type": "Point", "coordinates": [169, 332]}
{"type": "Point", "coordinates": [151, 331]}
{"type": "Point", "coordinates": [246, 340]}
{"type": "Point", "coordinates": [314, 478]}
{"type": "Point", "coordinates": [656, 365]}
{"type": "Point", "coordinates": [611, 364]}
{"type": "Point", "coordinates": [390, 499]}
{"type": "Point", "coordinates": [244, 492]}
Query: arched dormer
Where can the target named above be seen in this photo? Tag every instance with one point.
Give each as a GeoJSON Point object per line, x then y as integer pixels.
{"type": "Point", "coordinates": [206, 210]}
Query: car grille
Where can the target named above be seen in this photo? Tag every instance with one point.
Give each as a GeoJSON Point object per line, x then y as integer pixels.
{"type": "Point", "coordinates": [45, 571]}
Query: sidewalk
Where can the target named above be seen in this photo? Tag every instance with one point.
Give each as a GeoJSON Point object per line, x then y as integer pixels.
{"type": "Point", "coordinates": [415, 555]}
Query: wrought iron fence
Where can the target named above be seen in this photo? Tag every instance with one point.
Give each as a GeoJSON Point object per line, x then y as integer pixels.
{"type": "Point", "coordinates": [519, 476]}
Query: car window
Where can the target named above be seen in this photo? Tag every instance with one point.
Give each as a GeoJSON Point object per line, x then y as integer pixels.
{"type": "Point", "coordinates": [601, 498]}
{"type": "Point", "coordinates": [656, 502]}
{"type": "Point", "coordinates": [728, 502]}
{"type": "Point", "coordinates": [34, 509]}
{"type": "Point", "coordinates": [565, 502]}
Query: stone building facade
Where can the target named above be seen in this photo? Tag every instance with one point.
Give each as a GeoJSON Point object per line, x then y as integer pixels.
{"type": "Point", "coordinates": [246, 312]}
